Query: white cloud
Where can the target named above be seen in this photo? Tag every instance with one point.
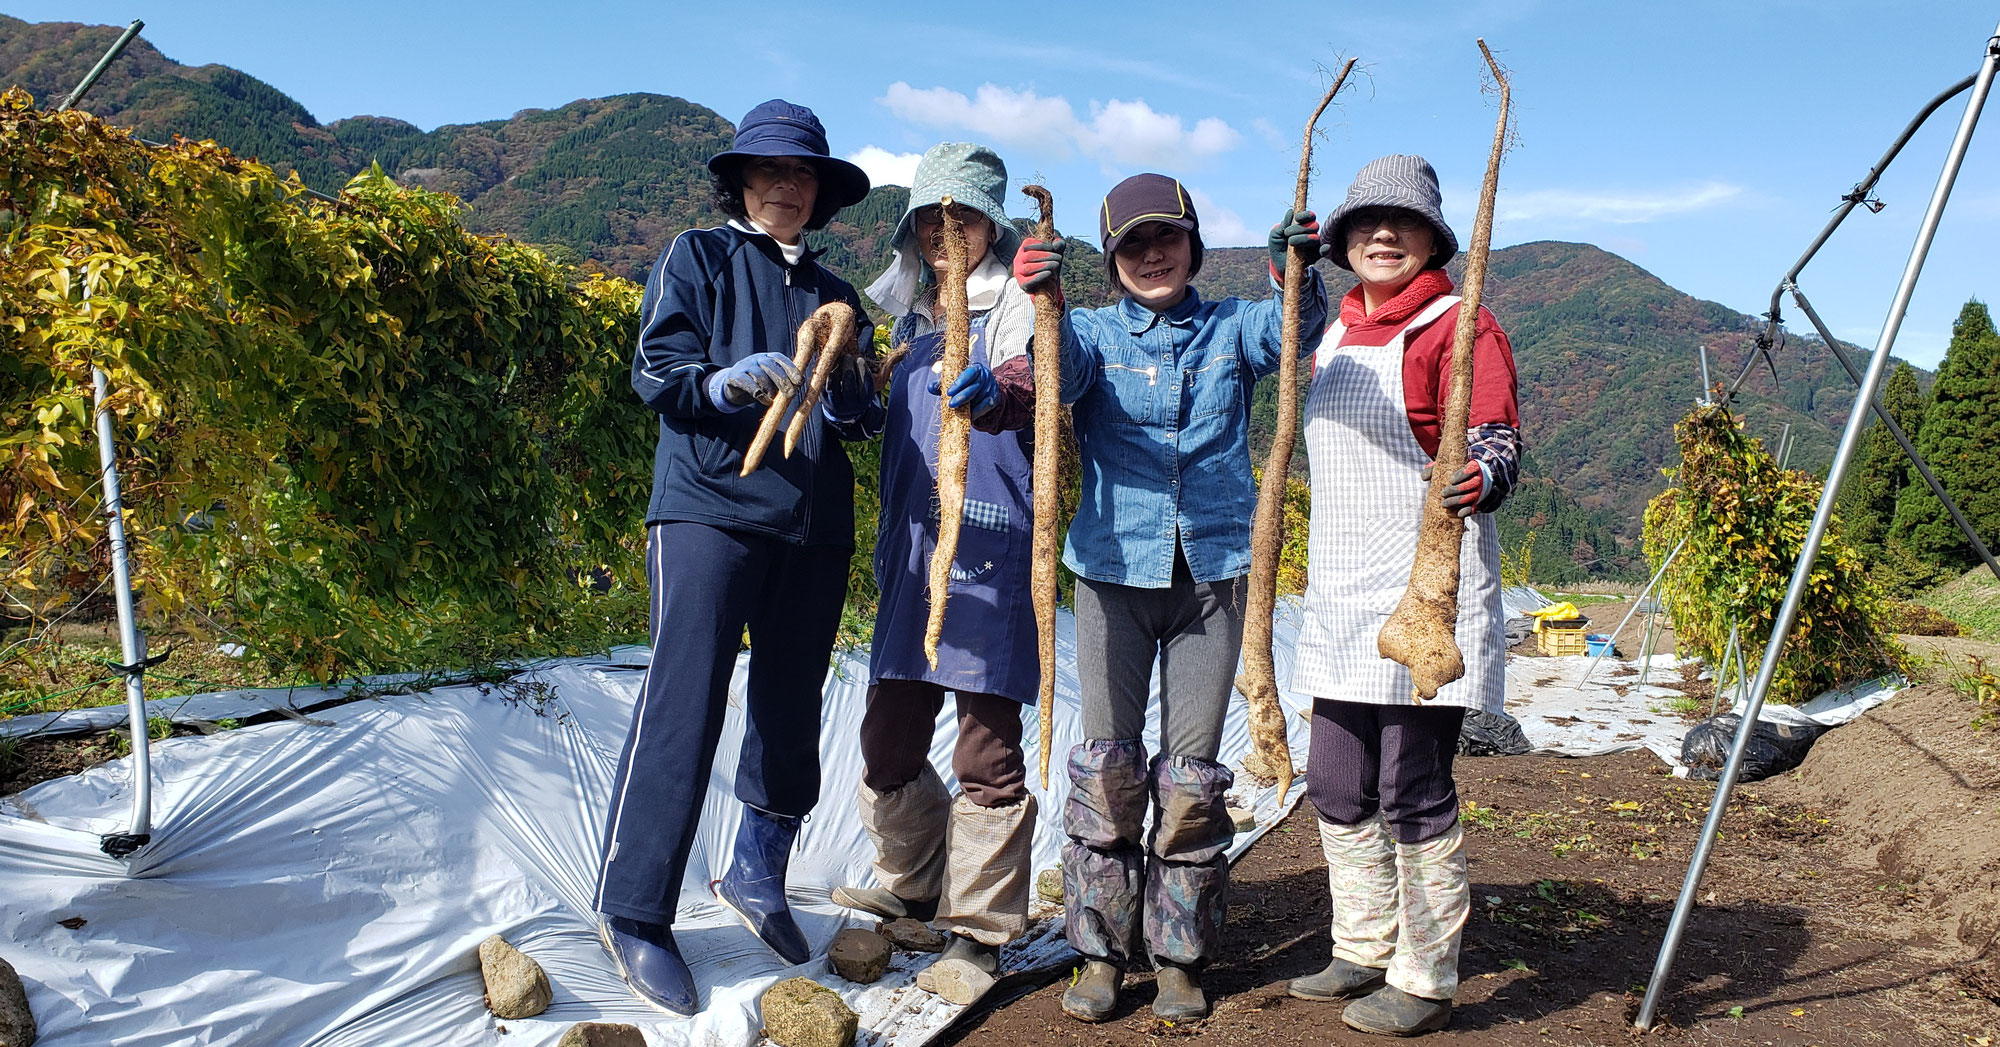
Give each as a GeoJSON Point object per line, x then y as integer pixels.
{"type": "Point", "coordinates": [885, 167]}
{"type": "Point", "coordinates": [1618, 208]}
{"type": "Point", "coordinates": [1121, 132]}
{"type": "Point", "coordinates": [1222, 227]}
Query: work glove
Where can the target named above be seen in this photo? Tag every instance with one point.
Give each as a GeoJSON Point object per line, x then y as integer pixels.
{"type": "Point", "coordinates": [759, 378]}
{"type": "Point", "coordinates": [849, 389]}
{"type": "Point", "coordinates": [1461, 499]}
{"type": "Point", "coordinates": [1038, 264]}
{"type": "Point", "coordinates": [1297, 229]}
{"type": "Point", "coordinates": [975, 386]}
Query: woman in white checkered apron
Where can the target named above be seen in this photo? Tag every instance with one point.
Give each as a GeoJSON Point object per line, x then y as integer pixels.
{"type": "Point", "coordinates": [1379, 774]}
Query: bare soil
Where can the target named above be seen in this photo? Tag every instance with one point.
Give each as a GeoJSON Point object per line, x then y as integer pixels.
{"type": "Point", "coordinates": [1836, 909]}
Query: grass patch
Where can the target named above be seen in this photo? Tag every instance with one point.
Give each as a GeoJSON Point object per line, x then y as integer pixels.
{"type": "Point", "coordinates": [70, 668]}
{"type": "Point", "coordinates": [1972, 600]}
{"type": "Point", "coordinates": [1583, 600]}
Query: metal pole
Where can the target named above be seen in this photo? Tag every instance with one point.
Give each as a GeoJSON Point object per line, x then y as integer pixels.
{"type": "Point", "coordinates": [1784, 444]}
{"type": "Point", "coordinates": [1636, 604]}
{"type": "Point", "coordinates": [90, 78]}
{"type": "Point", "coordinates": [1788, 613]}
{"type": "Point", "coordinates": [1923, 468]}
{"type": "Point", "coordinates": [131, 645]}
{"type": "Point", "coordinates": [1707, 384]}
{"type": "Point", "coordinates": [1854, 196]}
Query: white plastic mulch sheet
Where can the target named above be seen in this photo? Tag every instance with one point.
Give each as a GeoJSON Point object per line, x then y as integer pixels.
{"type": "Point", "coordinates": [1614, 712]}
{"type": "Point", "coordinates": [326, 881]}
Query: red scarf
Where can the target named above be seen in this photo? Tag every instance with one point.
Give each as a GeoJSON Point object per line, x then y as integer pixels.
{"type": "Point", "coordinates": [1418, 293]}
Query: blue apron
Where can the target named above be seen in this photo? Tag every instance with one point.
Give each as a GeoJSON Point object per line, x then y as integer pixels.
{"type": "Point", "coordinates": [988, 642]}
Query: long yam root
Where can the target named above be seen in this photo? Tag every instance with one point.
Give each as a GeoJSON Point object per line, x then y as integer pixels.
{"type": "Point", "coordinates": [835, 342]}
{"type": "Point", "coordinates": [954, 424]}
{"type": "Point", "coordinates": [1047, 475]}
{"type": "Point", "coordinates": [811, 337]}
{"type": "Point", "coordinates": [1272, 752]}
{"type": "Point", "coordinates": [1422, 633]}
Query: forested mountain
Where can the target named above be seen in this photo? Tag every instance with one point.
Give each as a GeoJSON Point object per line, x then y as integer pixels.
{"type": "Point", "coordinates": [1606, 351]}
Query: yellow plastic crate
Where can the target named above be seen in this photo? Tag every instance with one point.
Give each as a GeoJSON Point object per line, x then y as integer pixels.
{"type": "Point", "coordinates": [1556, 642]}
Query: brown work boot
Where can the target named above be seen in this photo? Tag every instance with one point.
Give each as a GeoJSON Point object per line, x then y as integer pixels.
{"type": "Point", "coordinates": [1094, 994]}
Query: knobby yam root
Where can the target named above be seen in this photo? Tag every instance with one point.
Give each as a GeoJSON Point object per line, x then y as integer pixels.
{"type": "Point", "coordinates": [812, 335]}
{"type": "Point", "coordinates": [836, 341]}
{"type": "Point", "coordinates": [1422, 633]}
{"type": "Point", "coordinates": [1047, 475]}
{"type": "Point", "coordinates": [954, 424]}
{"type": "Point", "coordinates": [1272, 755]}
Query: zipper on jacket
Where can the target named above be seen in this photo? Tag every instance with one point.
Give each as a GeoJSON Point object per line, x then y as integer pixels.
{"type": "Point", "coordinates": [1152, 373]}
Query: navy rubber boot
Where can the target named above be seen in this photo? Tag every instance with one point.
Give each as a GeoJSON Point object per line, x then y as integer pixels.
{"type": "Point", "coordinates": [650, 963]}
{"type": "Point", "coordinates": [754, 886]}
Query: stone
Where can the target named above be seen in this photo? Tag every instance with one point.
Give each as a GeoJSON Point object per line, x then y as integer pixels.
{"type": "Point", "coordinates": [516, 986]}
{"type": "Point", "coordinates": [955, 982]}
{"type": "Point", "coordinates": [858, 955]}
{"type": "Point", "coordinates": [1243, 820]}
{"type": "Point", "coordinates": [1049, 885]}
{"type": "Point", "coordinates": [912, 936]}
{"type": "Point", "coordinates": [17, 1022]}
{"type": "Point", "coordinates": [602, 1034]}
{"type": "Point", "coordinates": [800, 1012]}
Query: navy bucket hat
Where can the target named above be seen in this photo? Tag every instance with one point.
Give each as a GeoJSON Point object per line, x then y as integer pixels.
{"type": "Point", "coordinates": [780, 128]}
{"type": "Point", "coordinates": [1405, 182]}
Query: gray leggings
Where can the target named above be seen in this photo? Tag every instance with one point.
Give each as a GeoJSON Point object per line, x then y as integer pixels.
{"type": "Point", "coordinates": [1194, 630]}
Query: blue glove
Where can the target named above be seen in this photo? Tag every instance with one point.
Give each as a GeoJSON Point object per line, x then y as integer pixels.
{"type": "Point", "coordinates": [758, 378]}
{"type": "Point", "coordinates": [976, 386]}
{"type": "Point", "coordinates": [1298, 229]}
{"type": "Point", "coordinates": [849, 389]}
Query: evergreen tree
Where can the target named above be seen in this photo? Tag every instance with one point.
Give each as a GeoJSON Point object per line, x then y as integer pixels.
{"type": "Point", "coordinates": [1868, 501]}
{"type": "Point", "coordinates": [1960, 438]}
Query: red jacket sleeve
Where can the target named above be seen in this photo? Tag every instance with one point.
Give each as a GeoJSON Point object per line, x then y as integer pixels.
{"type": "Point", "coordinates": [1427, 377]}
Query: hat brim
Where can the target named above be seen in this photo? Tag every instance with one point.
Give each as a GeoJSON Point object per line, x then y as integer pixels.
{"type": "Point", "coordinates": [848, 182]}
{"type": "Point", "coordinates": [1443, 251]}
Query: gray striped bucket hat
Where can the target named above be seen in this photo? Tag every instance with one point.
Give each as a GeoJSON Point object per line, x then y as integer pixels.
{"type": "Point", "coordinates": [1401, 181]}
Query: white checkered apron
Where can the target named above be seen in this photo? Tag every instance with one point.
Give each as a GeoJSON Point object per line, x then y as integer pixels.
{"type": "Point", "coordinates": [1367, 496]}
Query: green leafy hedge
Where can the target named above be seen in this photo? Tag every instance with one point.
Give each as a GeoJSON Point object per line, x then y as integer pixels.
{"type": "Point", "coordinates": [1744, 520]}
{"type": "Point", "coordinates": [356, 435]}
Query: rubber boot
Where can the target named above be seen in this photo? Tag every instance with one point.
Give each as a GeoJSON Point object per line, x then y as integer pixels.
{"type": "Point", "coordinates": [1179, 997]}
{"type": "Point", "coordinates": [1094, 994]}
{"type": "Point", "coordinates": [650, 962]}
{"type": "Point", "coordinates": [1361, 880]}
{"type": "Point", "coordinates": [754, 886]}
{"type": "Point", "coordinates": [907, 825]}
{"type": "Point", "coordinates": [1390, 1011]}
{"type": "Point", "coordinates": [964, 973]}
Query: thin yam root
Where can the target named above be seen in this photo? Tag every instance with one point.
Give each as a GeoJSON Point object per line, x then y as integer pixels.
{"type": "Point", "coordinates": [1271, 755]}
{"type": "Point", "coordinates": [836, 341]}
{"type": "Point", "coordinates": [954, 424]}
{"type": "Point", "coordinates": [1421, 634]}
{"type": "Point", "coordinates": [1047, 475]}
{"type": "Point", "coordinates": [808, 343]}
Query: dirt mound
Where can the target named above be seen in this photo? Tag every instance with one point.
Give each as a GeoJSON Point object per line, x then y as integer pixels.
{"type": "Point", "coordinates": [1918, 788]}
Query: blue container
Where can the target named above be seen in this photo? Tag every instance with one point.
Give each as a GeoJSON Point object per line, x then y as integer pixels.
{"type": "Point", "coordinates": [1598, 643]}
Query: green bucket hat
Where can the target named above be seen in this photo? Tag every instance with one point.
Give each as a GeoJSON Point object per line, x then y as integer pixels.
{"type": "Point", "coordinates": [973, 176]}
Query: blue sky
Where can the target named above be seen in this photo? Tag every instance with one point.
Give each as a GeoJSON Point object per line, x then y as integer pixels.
{"type": "Point", "coordinates": [1706, 141]}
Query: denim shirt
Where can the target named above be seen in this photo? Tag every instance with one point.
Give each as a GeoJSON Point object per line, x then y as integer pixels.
{"type": "Point", "coordinates": [1162, 413]}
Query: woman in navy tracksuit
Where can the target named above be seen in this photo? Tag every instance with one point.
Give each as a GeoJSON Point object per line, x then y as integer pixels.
{"type": "Point", "coordinates": [769, 551]}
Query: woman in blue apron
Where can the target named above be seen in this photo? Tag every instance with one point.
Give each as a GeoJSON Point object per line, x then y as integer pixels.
{"type": "Point", "coordinates": [963, 860]}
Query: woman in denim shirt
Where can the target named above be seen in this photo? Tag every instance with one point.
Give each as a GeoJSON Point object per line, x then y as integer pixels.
{"type": "Point", "coordinates": [1160, 384]}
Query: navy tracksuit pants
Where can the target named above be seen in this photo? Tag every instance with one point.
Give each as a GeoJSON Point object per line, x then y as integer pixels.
{"type": "Point", "coordinates": [708, 584]}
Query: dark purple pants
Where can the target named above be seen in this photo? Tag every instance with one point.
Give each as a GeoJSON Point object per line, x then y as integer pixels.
{"type": "Point", "coordinates": [1395, 759]}
{"type": "Point", "coordinates": [896, 735]}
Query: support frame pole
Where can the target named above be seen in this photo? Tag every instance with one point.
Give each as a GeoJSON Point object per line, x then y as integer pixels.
{"type": "Point", "coordinates": [90, 79]}
{"type": "Point", "coordinates": [1788, 612]}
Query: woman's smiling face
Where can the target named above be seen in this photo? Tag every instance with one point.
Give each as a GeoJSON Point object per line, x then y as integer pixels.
{"type": "Point", "coordinates": [1153, 263]}
{"type": "Point", "coordinates": [779, 193]}
{"type": "Point", "coordinates": [1387, 247]}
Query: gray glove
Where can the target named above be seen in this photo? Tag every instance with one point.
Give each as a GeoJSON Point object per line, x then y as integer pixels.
{"type": "Point", "coordinates": [759, 378]}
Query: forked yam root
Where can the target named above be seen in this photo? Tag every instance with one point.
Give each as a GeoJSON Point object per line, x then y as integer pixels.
{"type": "Point", "coordinates": [827, 332]}
{"type": "Point", "coordinates": [837, 342]}
{"type": "Point", "coordinates": [1421, 634]}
